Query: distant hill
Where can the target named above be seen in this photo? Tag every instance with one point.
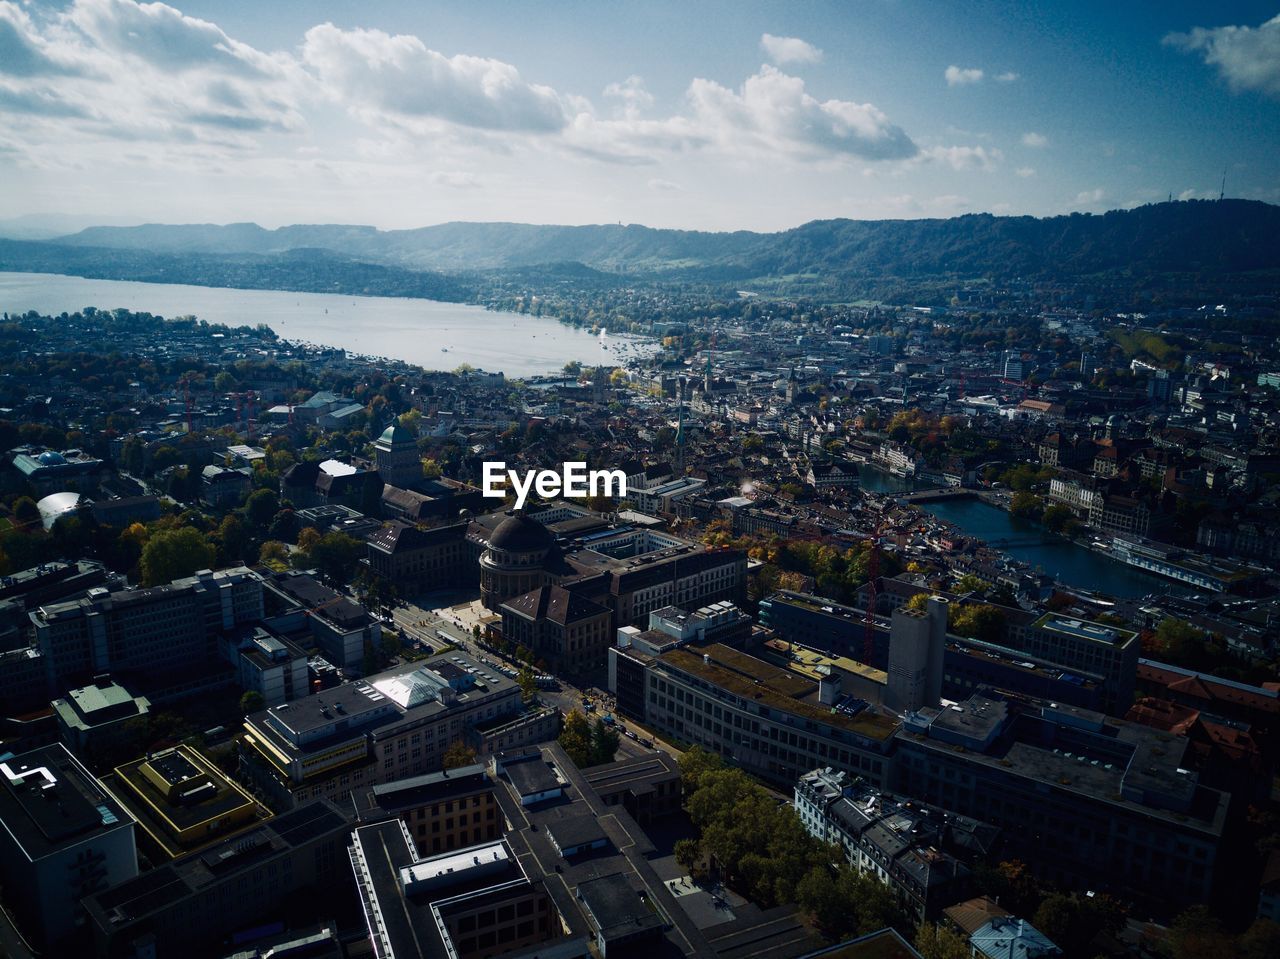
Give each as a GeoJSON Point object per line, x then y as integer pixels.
{"type": "Point", "coordinates": [1186, 237]}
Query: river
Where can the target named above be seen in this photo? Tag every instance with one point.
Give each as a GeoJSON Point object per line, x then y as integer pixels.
{"type": "Point", "coordinates": [429, 333]}
{"type": "Point", "coordinates": [1065, 561]}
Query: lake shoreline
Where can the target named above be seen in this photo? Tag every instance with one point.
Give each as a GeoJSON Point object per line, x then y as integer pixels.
{"type": "Point", "coordinates": [432, 334]}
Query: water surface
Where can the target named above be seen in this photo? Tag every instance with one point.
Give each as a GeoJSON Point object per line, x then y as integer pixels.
{"type": "Point", "coordinates": [429, 333]}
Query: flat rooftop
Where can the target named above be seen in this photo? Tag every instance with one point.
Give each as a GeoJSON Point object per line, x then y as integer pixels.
{"type": "Point", "coordinates": [164, 818]}
{"type": "Point", "coordinates": [816, 665]}
{"type": "Point", "coordinates": [754, 679]}
{"type": "Point", "coordinates": [160, 888]}
{"type": "Point", "coordinates": [48, 801]}
{"type": "Point", "coordinates": [1084, 629]}
{"type": "Point", "coordinates": [617, 907]}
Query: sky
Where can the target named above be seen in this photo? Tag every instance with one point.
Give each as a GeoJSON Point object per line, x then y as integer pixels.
{"type": "Point", "coordinates": [690, 114]}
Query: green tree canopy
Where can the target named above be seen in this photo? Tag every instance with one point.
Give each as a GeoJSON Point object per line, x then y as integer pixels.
{"type": "Point", "coordinates": [173, 553]}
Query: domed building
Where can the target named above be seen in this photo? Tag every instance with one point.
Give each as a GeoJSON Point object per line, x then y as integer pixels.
{"type": "Point", "coordinates": [396, 456]}
{"type": "Point", "coordinates": [515, 560]}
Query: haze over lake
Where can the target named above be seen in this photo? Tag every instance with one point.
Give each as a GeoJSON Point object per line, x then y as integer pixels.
{"type": "Point", "coordinates": [418, 331]}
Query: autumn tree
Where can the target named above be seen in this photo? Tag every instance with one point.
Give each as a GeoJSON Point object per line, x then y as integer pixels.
{"type": "Point", "coordinates": [936, 941]}
{"type": "Point", "coordinates": [458, 754]}
{"type": "Point", "coordinates": [575, 738]}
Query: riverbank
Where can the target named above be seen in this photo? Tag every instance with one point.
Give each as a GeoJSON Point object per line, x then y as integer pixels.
{"type": "Point", "coordinates": [984, 515]}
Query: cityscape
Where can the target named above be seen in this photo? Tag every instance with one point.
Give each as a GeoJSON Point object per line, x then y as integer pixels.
{"type": "Point", "coordinates": [765, 564]}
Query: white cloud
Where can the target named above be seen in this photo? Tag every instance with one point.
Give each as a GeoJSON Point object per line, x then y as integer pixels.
{"type": "Point", "coordinates": [1025, 171]}
{"type": "Point", "coordinates": [1035, 140]}
{"type": "Point", "coordinates": [964, 158]}
{"type": "Point", "coordinates": [1007, 77]}
{"type": "Point", "coordinates": [160, 35]}
{"type": "Point", "coordinates": [92, 85]}
{"type": "Point", "coordinates": [772, 111]}
{"type": "Point", "coordinates": [23, 52]}
{"type": "Point", "coordinates": [962, 76]}
{"type": "Point", "coordinates": [632, 95]}
{"type": "Point", "coordinates": [1089, 197]}
{"type": "Point", "coordinates": [1248, 58]}
{"type": "Point", "coordinates": [664, 186]}
{"type": "Point", "coordinates": [459, 180]}
{"type": "Point", "coordinates": [784, 50]}
{"type": "Point", "coordinates": [399, 78]}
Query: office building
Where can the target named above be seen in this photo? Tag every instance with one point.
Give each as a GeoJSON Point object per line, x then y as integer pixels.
{"type": "Point", "coordinates": [311, 614]}
{"type": "Point", "coordinates": [387, 727]}
{"type": "Point", "coordinates": [61, 838]}
{"type": "Point", "coordinates": [287, 871]}
{"type": "Point", "coordinates": [181, 801]}
{"type": "Point", "coordinates": [1095, 649]}
{"type": "Point", "coordinates": [163, 639]}
{"type": "Point", "coordinates": [94, 716]}
{"type": "Point", "coordinates": [475, 902]}
{"type": "Point", "coordinates": [967, 664]}
{"type": "Point", "coordinates": [771, 721]}
{"type": "Point", "coordinates": [647, 787]}
{"type": "Point", "coordinates": [269, 665]}
{"type": "Point", "coordinates": [418, 560]}
{"type": "Point", "coordinates": [1088, 801]}
{"type": "Point", "coordinates": [396, 456]}
{"type": "Point", "coordinates": [443, 811]}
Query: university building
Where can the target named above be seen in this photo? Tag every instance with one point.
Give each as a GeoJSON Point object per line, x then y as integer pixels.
{"type": "Point", "coordinates": [387, 727]}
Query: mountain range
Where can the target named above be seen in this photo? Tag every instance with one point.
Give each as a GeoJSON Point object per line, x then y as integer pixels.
{"type": "Point", "coordinates": [1188, 249]}
{"type": "Point", "coordinates": [1191, 236]}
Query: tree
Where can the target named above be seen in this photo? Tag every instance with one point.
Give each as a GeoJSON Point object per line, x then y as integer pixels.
{"type": "Point", "coordinates": [1197, 934]}
{"type": "Point", "coordinates": [695, 762]}
{"type": "Point", "coordinates": [308, 536]}
{"type": "Point", "coordinates": [936, 941]}
{"type": "Point", "coordinates": [336, 556]}
{"type": "Point", "coordinates": [274, 553]}
{"type": "Point", "coordinates": [25, 511]}
{"type": "Point", "coordinates": [604, 743]}
{"type": "Point", "coordinates": [1058, 518]}
{"type": "Point", "coordinates": [233, 540]}
{"type": "Point", "coordinates": [978, 621]}
{"type": "Point", "coordinates": [1260, 941]}
{"type": "Point", "coordinates": [528, 683]}
{"type": "Point", "coordinates": [261, 507]}
{"type": "Point", "coordinates": [252, 702]}
{"type": "Point", "coordinates": [1026, 505]}
{"type": "Point", "coordinates": [458, 754]}
{"type": "Point", "coordinates": [575, 738]}
{"type": "Point", "coordinates": [688, 855]}
{"type": "Point", "coordinates": [173, 553]}
{"type": "Point", "coordinates": [1179, 640]}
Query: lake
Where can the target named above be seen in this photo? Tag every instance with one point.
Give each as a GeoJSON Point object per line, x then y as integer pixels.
{"type": "Point", "coordinates": [432, 334]}
{"type": "Point", "coordinates": [1029, 542]}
